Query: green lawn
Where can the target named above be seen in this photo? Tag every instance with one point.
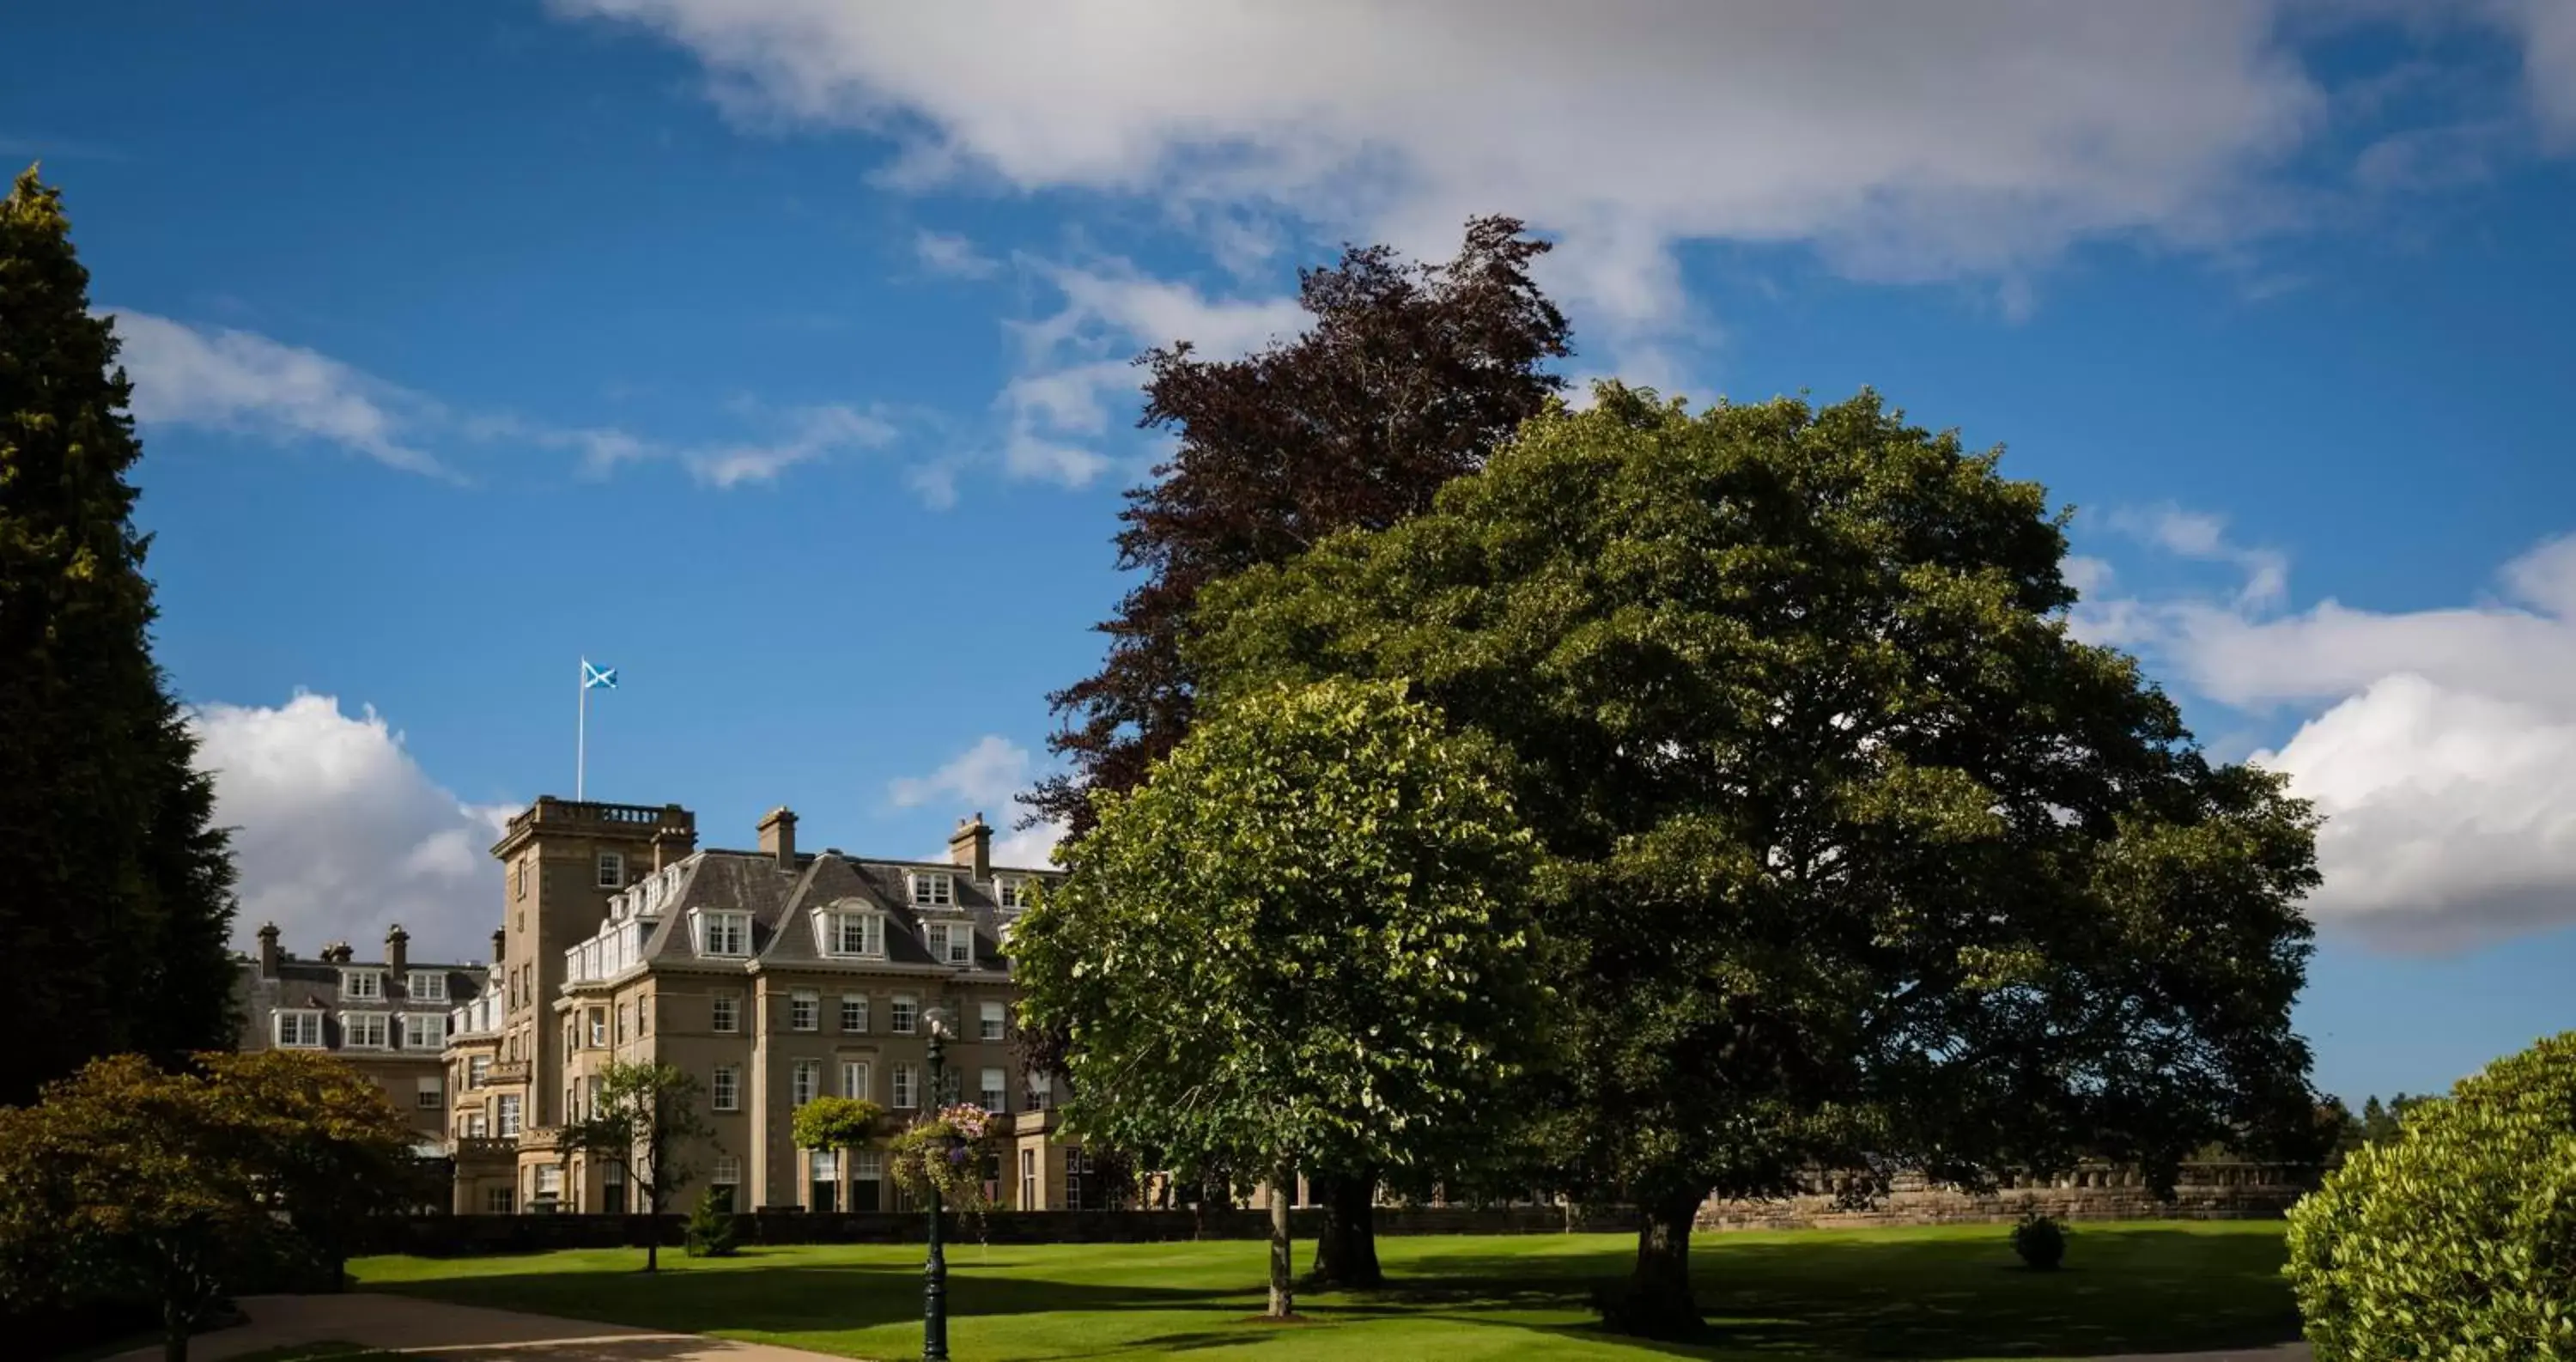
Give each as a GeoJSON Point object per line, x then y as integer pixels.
{"type": "Point", "coordinates": [1951, 1293]}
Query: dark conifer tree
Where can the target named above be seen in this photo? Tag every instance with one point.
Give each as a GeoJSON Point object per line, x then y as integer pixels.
{"type": "Point", "coordinates": [116, 888]}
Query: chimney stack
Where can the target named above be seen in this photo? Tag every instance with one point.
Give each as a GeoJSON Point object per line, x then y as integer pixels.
{"type": "Point", "coordinates": [778, 837]}
{"type": "Point", "coordinates": [500, 939]}
{"type": "Point", "coordinates": [397, 950]}
{"type": "Point", "coordinates": [337, 953]}
{"type": "Point", "coordinates": [971, 845]}
{"type": "Point", "coordinates": [268, 952]}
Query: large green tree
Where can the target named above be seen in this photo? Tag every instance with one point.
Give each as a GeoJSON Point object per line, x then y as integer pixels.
{"type": "Point", "coordinates": [1870, 862]}
{"type": "Point", "coordinates": [332, 1148]}
{"type": "Point", "coordinates": [1302, 945]}
{"type": "Point", "coordinates": [115, 886]}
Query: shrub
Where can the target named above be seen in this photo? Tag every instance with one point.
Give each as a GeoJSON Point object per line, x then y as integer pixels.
{"type": "Point", "coordinates": [2040, 1241]}
{"type": "Point", "coordinates": [2456, 1238]}
{"type": "Point", "coordinates": [711, 1232]}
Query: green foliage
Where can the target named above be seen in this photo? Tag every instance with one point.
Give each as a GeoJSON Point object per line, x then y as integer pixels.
{"type": "Point", "coordinates": [1305, 941]}
{"type": "Point", "coordinates": [642, 1118]}
{"type": "Point", "coordinates": [111, 856]}
{"type": "Point", "coordinates": [2040, 1241]}
{"type": "Point", "coordinates": [2456, 1237]}
{"type": "Point", "coordinates": [837, 1123]}
{"type": "Point", "coordinates": [1864, 854]}
{"type": "Point", "coordinates": [711, 1229]}
{"type": "Point", "coordinates": [130, 1182]}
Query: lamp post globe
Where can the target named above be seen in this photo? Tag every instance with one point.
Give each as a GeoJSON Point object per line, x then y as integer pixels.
{"type": "Point", "coordinates": [934, 1271]}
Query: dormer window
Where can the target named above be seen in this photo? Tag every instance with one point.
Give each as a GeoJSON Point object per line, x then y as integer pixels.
{"type": "Point", "coordinates": [299, 1030]}
{"type": "Point", "coordinates": [362, 983]}
{"type": "Point", "coordinates": [859, 934]}
{"type": "Point", "coordinates": [612, 870]}
{"type": "Point", "coordinates": [366, 1031]}
{"type": "Point", "coordinates": [427, 986]}
{"type": "Point", "coordinates": [724, 933]}
{"type": "Point", "coordinates": [951, 943]}
{"type": "Point", "coordinates": [1011, 891]}
{"type": "Point", "coordinates": [932, 889]}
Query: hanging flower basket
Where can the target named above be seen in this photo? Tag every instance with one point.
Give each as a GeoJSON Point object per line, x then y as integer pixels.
{"type": "Point", "coordinates": [947, 1151]}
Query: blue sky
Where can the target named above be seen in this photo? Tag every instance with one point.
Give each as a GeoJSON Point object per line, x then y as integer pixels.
{"type": "Point", "coordinates": [773, 353]}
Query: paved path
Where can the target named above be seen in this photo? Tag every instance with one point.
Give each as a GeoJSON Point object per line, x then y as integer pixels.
{"type": "Point", "coordinates": [2287, 1352]}
{"type": "Point", "coordinates": [458, 1333]}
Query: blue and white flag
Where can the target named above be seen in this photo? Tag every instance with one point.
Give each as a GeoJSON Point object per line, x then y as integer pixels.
{"type": "Point", "coordinates": [597, 676]}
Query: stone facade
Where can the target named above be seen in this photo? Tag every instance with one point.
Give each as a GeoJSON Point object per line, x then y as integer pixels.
{"type": "Point", "coordinates": [772, 975]}
{"type": "Point", "coordinates": [386, 1018]}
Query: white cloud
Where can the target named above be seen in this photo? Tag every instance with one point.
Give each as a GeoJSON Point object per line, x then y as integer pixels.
{"type": "Point", "coordinates": [2547, 29]}
{"type": "Point", "coordinates": [1030, 848]}
{"type": "Point", "coordinates": [234, 380]}
{"type": "Point", "coordinates": [991, 773]}
{"type": "Point", "coordinates": [2202, 537]}
{"type": "Point", "coordinates": [804, 435]}
{"type": "Point", "coordinates": [1910, 142]}
{"type": "Point", "coordinates": [2440, 744]}
{"type": "Point", "coordinates": [340, 833]}
{"type": "Point", "coordinates": [951, 254]}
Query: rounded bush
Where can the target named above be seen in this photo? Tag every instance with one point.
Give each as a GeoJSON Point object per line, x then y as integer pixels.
{"type": "Point", "coordinates": [2457, 1238]}
{"type": "Point", "coordinates": [2040, 1241]}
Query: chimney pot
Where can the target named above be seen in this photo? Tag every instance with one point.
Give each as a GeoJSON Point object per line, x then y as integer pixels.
{"type": "Point", "coordinates": [778, 837]}
{"type": "Point", "coordinates": [971, 846]}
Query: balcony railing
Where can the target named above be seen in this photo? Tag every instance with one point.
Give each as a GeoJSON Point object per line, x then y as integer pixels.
{"type": "Point", "coordinates": [512, 1071]}
{"type": "Point", "coordinates": [477, 1147]}
{"type": "Point", "coordinates": [617, 948]}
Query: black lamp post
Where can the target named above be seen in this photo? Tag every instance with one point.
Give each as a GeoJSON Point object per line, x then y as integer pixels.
{"type": "Point", "coordinates": [934, 1273]}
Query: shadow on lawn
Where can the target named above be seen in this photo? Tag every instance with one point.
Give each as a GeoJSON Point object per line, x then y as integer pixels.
{"type": "Point", "coordinates": [2126, 1291]}
{"type": "Point", "coordinates": [2123, 1291]}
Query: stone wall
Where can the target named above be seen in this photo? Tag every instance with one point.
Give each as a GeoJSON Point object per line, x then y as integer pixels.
{"type": "Point", "coordinates": [2207, 1191]}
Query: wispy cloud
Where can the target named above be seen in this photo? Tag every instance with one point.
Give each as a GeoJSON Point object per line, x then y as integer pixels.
{"type": "Point", "coordinates": [237, 381]}
{"type": "Point", "coordinates": [991, 774]}
{"type": "Point", "coordinates": [951, 254]}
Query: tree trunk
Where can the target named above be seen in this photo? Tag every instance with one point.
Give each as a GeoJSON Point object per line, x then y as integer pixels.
{"type": "Point", "coordinates": [1346, 1247]}
{"type": "Point", "coordinates": [653, 1233]}
{"type": "Point", "coordinates": [1659, 1302]}
{"type": "Point", "coordinates": [174, 1333]}
{"type": "Point", "coordinates": [1283, 1258]}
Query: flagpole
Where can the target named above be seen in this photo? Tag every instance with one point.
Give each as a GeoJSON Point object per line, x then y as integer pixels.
{"type": "Point", "coordinates": [581, 734]}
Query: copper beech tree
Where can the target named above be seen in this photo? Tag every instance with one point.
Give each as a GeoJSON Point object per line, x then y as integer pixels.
{"type": "Point", "coordinates": [1407, 376]}
{"type": "Point", "coordinates": [1868, 861]}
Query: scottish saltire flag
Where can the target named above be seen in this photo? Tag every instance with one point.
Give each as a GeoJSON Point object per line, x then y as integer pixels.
{"type": "Point", "coordinates": [597, 676]}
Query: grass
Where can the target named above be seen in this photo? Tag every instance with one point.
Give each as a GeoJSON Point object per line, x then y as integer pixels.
{"type": "Point", "coordinates": [1951, 1293]}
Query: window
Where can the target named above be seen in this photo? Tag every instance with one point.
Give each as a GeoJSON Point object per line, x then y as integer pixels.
{"type": "Point", "coordinates": [805, 1082]}
{"type": "Point", "coordinates": [804, 1011]}
{"type": "Point", "coordinates": [299, 1030]}
{"type": "Point", "coordinates": [1010, 891]}
{"type": "Point", "coordinates": [952, 943]}
{"type": "Point", "coordinates": [518, 879]}
{"type": "Point", "coordinates": [509, 1122]}
{"type": "Point", "coordinates": [856, 934]}
{"type": "Point", "coordinates": [727, 1018]}
{"type": "Point", "coordinates": [931, 888]}
{"type": "Point", "coordinates": [644, 1015]}
{"type": "Point", "coordinates": [362, 983]}
{"type": "Point", "coordinates": [549, 1181]}
{"type": "Point", "coordinates": [854, 1013]}
{"type": "Point", "coordinates": [572, 1102]}
{"type": "Point", "coordinates": [856, 1080]}
{"type": "Point", "coordinates": [424, 1032]}
{"type": "Point", "coordinates": [988, 1090]}
{"type": "Point", "coordinates": [477, 1126]}
{"type": "Point", "coordinates": [621, 1023]}
{"type": "Point", "coordinates": [612, 870]}
{"type": "Point", "coordinates": [498, 1200]}
{"type": "Point", "coordinates": [723, 1178]}
{"type": "Point", "coordinates": [1041, 1091]}
{"type": "Point", "coordinates": [612, 1189]}
{"type": "Point", "coordinates": [826, 1180]}
{"type": "Point", "coordinates": [906, 1097]}
{"type": "Point", "coordinates": [1028, 1179]}
{"type": "Point", "coordinates": [478, 1071]}
{"type": "Point", "coordinates": [728, 934]}
{"type": "Point", "coordinates": [426, 986]}
{"type": "Point", "coordinates": [901, 1009]}
{"type": "Point", "coordinates": [988, 1021]}
{"type": "Point", "coordinates": [598, 1027]}
{"type": "Point", "coordinates": [867, 1171]}
{"type": "Point", "coordinates": [725, 1094]}
{"type": "Point", "coordinates": [366, 1030]}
